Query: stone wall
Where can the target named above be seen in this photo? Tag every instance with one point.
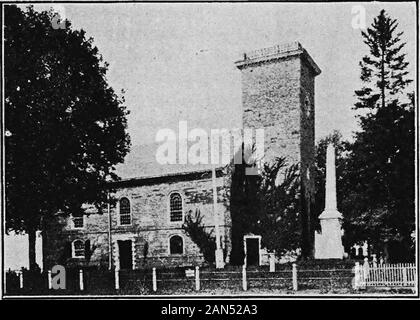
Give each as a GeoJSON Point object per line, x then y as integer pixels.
{"type": "Point", "coordinates": [271, 99]}
{"type": "Point", "coordinates": [150, 222]}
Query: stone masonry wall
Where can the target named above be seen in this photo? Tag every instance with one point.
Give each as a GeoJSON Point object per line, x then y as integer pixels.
{"type": "Point", "coordinates": [270, 98]}
{"type": "Point", "coordinates": [150, 222]}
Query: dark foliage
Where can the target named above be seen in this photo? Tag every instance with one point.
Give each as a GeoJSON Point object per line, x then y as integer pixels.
{"type": "Point", "coordinates": [279, 222]}
{"type": "Point", "coordinates": [65, 126]}
{"type": "Point", "coordinates": [195, 229]}
{"type": "Point", "coordinates": [243, 206]}
{"type": "Point", "coordinates": [89, 249]}
{"type": "Point", "coordinates": [377, 187]}
{"type": "Point", "coordinates": [267, 204]}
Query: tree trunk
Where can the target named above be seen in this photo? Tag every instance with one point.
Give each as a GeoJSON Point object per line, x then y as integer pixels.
{"type": "Point", "coordinates": [32, 253]}
{"type": "Point", "coordinates": [383, 79]}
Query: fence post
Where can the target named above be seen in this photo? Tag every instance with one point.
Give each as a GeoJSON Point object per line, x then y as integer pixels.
{"type": "Point", "coordinates": [357, 276]}
{"type": "Point", "coordinates": [81, 285]}
{"type": "Point", "coordinates": [374, 260]}
{"type": "Point", "coordinates": [154, 279]}
{"type": "Point", "coordinates": [197, 278]}
{"type": "Point", "coordinates": [294, 275]}
{"type": "Point", "coordinates": [365, 269]}
{"type": "Point", "coordinates": [405, 278]}
{"type": "Point", "coordinates": [117, 279]}
{"type": "Point", "coordinates": [272, 262]}
{"type": "Point", "coordinates": [244, 284]}
{"type": "Point", "coordinates": [49, 280]}
{"type": "Point", "coordinates": [21, 279]}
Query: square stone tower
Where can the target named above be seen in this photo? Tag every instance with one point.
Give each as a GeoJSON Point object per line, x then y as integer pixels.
{"type": "Point", "coordinates": [278, 95]}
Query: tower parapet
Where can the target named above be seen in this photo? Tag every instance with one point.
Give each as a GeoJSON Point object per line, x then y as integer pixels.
{"type": "Point", "coordinates": [276, 52]}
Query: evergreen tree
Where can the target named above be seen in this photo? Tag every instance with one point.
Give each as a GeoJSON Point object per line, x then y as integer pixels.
{"type": "Point", "coordinates": [381, 165]}
{"type": "Point", "coordinates": [384, 70]}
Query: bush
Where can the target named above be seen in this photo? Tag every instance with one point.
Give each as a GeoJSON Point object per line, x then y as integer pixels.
{"type": "Point", "coordinates": [196, 231]}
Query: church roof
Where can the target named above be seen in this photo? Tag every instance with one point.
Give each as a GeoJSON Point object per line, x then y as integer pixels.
{"type": "Point", "coordinates": [140, 163]}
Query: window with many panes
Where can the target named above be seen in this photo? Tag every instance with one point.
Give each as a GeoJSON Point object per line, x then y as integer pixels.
{"type": "Point", "coordinates": [78, 222]}
{"type": "Point", "coordinates": [176, 245]}
{"type": "Point", "coordinates": [125, 211]}
{"type": "Point", "coordinates": [175, 206]}
{"type": "Point", "coordinates": [78, 249]}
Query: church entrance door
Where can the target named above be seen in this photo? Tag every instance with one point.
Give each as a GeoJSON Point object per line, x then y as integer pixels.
{"type": "Point", "coordinates": [126, 254]}
{"type": "Point", "coordinates": [252, 251]}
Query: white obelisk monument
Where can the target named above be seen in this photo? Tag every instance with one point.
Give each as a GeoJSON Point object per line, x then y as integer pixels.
{"type": "Point", "coordinates": [328, 243]}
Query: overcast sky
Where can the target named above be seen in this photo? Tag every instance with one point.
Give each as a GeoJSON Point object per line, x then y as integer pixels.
{"type": "Point", "coordinates": [176, 61]}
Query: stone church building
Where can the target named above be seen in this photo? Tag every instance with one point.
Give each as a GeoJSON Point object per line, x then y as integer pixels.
{"type": "Point", "coordinates": [144, 227]}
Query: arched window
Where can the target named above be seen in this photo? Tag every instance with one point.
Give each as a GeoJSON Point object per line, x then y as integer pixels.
{"type": "Point", "coordinates": [175, 207]}
{"type": "Point", "coordinates": [78, 249]}
{"type": "Point", "coordinates": [125, 211]}
{"type": "Point", "coordinates": [176, 245]}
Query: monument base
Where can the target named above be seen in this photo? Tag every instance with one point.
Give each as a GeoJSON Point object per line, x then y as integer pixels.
{"type": "Point", "coordinates": [219, 259]}
{"type": "Point", "coordinates": [328, 243]}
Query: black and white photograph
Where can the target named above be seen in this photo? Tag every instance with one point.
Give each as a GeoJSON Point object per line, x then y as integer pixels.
{"type": "Point", "coordinates": [164, 150]}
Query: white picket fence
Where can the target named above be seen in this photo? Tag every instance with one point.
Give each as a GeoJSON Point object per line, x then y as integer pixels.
{"type": "Point", "coordinates": [385, 275]}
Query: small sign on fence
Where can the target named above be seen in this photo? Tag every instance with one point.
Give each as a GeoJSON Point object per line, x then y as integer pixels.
{"type": "Point", "coordinates": [189, 273]}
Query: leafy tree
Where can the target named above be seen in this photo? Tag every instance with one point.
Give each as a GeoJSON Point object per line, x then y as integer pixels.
{"type": "Point", "coordinates": [89, 250]}
{"type": "Point", "coordinates": [65, 126]}
{"type": "Point", "coordinates": [268, 204]}
{"type": "Point", "coordinates": [381, 162]}
{"type": "Point", "coordinates": [195, 229]}
{"type": "Point", "coordinates": [279, 220]}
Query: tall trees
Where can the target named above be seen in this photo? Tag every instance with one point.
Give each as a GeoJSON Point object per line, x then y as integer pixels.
{"type": "Point", "coordinates": [66, 127]}
{"type": "Point", "coordinates": [279, 215]}
{"type": "Point", "coordinates": [267, 204]}
{"type": "Point", "coordinates": [381, 163]}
